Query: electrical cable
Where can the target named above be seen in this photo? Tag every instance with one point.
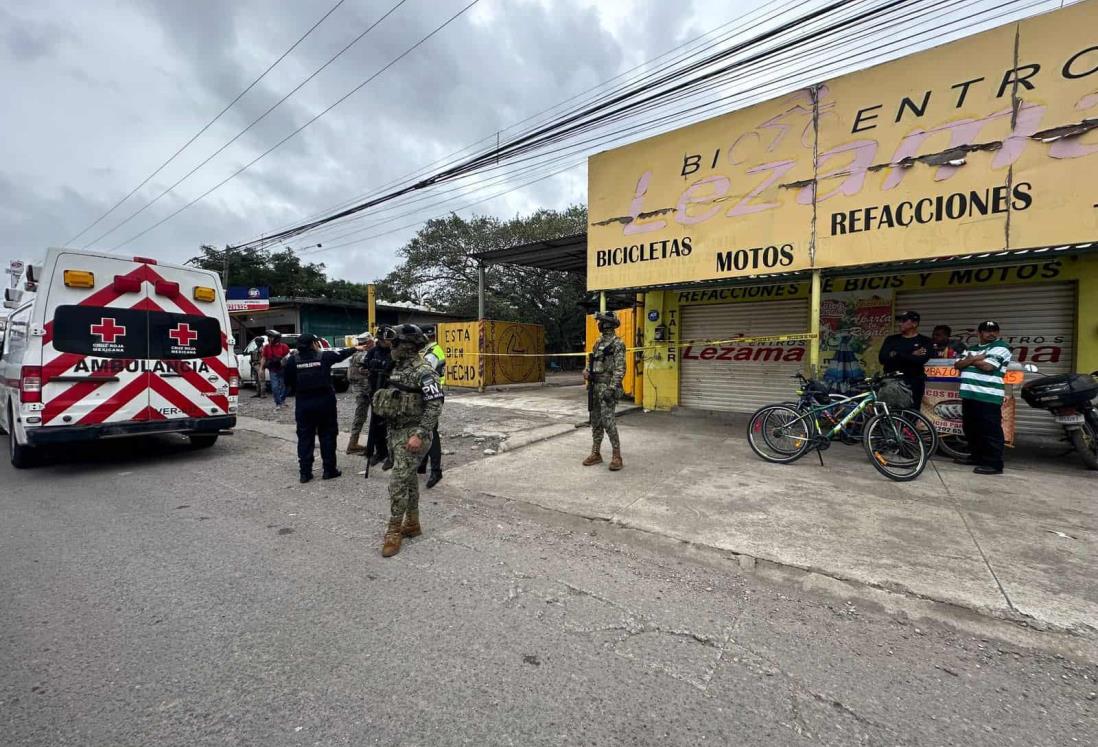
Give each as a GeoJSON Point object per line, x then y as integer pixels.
{"type": "Point", "coordinates": [447, 160]}
{"type": "Point", "coordinates": [530, 140]}
{"type": "Point", "coordinates": [252, 124]}
{"type": "Point", "coordinates": [838, 64]}
{"type": "Point", "coordinates": [270, 150]}
{"type": "Point", "coordinates": [207, 126]}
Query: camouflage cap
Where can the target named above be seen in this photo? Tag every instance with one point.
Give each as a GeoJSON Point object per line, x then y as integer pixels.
{"type": "Point", "coordinates": [607, 317]}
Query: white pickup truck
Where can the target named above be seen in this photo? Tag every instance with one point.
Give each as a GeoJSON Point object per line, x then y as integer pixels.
{"type": "Point", "coordinates": [247, 374]}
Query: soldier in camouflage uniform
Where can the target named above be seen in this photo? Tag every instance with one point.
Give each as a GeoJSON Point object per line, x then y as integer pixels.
{"type": "Point", "coordinates": [604, 374]}
{"type": "Point", "coordinates": [411, 403]}
{"type": "Point", "coordinates": [359, 377]}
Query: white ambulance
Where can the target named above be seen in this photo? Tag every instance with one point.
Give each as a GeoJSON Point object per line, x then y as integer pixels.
{"type": "Point", "coordinates": [104, 346]}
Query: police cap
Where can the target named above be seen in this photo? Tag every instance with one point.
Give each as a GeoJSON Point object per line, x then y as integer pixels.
{"type": "Point", "coordinates": [306, 340]}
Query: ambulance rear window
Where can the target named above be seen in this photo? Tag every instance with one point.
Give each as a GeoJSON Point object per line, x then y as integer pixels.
{"type": "Point", "coordinates": [130, 333]}
{"type": "Point", "coordinates": [173, 336]}
{"type": "Point", "coordinates": [101, 332]}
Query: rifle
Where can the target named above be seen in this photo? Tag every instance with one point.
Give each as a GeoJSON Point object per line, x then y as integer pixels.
{"type": "Point", "coordinates": [369, 436]}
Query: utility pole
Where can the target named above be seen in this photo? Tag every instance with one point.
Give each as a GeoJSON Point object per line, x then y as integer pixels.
{"type": "Point", "coordinates": [371, 308]}
{"type": "Point", "coordinates": [225, 267]}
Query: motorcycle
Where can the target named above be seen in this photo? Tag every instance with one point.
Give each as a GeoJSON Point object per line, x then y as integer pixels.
{"type": "Point", "coordinates": [1071, 400]}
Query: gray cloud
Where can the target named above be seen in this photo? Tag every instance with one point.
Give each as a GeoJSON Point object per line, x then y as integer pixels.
{"type": "Point", "coordinates": [107, 91]}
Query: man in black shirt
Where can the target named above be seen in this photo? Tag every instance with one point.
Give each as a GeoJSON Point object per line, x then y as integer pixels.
{"type": "Point", "coordinates": [309, 375]}
{"type": "Point", "coordinates": [906, 353]}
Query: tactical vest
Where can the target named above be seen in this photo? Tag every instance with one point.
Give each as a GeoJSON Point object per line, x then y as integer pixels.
{"type": "Point", "coordinates": [401, 401]}
{"type": "Point", "coordinates": [312, 375]}
{"type": "Point", "coordinates": [602, 359]}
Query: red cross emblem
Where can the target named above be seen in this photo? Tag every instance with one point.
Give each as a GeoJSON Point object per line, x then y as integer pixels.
{"type": "Point", "coordinates": [108, 330]}
{"type": "Point", "coordinates": [183, 334]}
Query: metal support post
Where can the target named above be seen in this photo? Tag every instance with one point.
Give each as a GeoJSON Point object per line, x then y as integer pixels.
{"type": "Point", "coordinates": [602, 301]}
{"type": "Point", "coordinates": [480, 291]}
{"type": "Point", "coordinates": [814, 325]}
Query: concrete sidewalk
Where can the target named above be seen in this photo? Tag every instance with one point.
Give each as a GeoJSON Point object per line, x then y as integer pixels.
{"type": "Point", "coordinates": [1020, 546]}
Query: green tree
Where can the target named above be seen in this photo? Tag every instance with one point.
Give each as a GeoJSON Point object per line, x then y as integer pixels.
{"type": "Point", "coordinates": [282, 271]}
{"type": "Point", "coordinates": [438, 271]}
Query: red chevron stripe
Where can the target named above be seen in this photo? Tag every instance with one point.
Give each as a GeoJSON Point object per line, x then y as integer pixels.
{"type": "Point", "coordinates": [218, 367]}
{"type": "Point", "coordinates": [59, 365]}
{"type": "Point", "coordinates": [75, 393]}
{"type": "Point", "coordinates": [150, 413]}
{"type": "Point", "coordinates": [173, 395]}
{"type": "Point", "coordinates": [117, 401]}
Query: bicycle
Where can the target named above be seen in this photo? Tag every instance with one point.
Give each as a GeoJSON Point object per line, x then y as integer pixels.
{"type": "Point", "coordinates": [782, 434]}
{"type": "Point", "coordinates": [813, 392]}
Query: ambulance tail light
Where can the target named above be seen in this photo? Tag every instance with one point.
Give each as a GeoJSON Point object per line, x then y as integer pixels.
{"type": "Point", "coordinates": [79, 279]}
{"type": "Point", "coordinates": [202, 293]}
{"type": "Point", "coordinates": [234, 382]}
{"type": "Point", "coordinates": [30, 384]}
{"type": "Point", "coordinates": [167, 288]}
{"type": "Point", "coordinates": [126, 284]}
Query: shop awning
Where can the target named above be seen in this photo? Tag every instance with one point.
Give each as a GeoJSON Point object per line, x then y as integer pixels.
{"type": "Point", "coordinates": [566, 254]}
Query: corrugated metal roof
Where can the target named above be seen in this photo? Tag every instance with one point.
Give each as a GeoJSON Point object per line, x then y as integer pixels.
{"type": "Point", "coordinates": [566, 254]}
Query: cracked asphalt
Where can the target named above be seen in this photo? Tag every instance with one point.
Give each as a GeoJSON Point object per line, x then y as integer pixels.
{"type": "Point", "coordinates": [155, 594]}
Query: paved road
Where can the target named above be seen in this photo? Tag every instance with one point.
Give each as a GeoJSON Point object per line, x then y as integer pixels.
{"type": "Point", "coordinates": [156, 595]}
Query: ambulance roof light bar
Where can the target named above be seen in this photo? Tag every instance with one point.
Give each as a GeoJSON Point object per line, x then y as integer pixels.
{"type": "Point", "coordinates": [144, 260]}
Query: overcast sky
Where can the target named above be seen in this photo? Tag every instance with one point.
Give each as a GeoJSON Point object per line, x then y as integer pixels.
{"type": "Point", "coordinates": [98, 93]}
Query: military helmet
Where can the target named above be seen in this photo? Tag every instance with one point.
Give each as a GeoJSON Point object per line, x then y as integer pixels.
{"type": "Point", "coordinates": [406, 333]}
{"type": "Point", "coordinates": [607, 317]}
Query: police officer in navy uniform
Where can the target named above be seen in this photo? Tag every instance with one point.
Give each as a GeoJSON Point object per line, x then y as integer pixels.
{"type": "Point", "coordinates": [309, 376]}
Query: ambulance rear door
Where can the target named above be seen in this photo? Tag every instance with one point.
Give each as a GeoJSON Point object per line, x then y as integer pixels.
{"type": "Point", "coordinates": [95, 341]}
{"type": "Point", "coordinates": [193, 372]}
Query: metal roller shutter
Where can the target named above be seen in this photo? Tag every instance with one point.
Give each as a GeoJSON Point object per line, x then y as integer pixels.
{"type": "Point", "coordinates": [1029, 316]}
{"type": "Point", "coordinates": [738, 385]}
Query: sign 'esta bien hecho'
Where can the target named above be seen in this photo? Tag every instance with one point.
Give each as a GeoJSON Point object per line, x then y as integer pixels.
{"type": "Point", "coordinates": [983, 144]}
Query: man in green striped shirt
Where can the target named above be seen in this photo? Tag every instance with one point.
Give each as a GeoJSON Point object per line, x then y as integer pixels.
{"type": "Point", "coordinates": [982, 393]}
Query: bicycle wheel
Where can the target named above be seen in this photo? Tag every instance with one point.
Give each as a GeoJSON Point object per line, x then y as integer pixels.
{"type": "Point", "coordinates": [779, 434]}
{"type": "Point", "coordinates": [894, 447]}
{"type": "Point", "coordinates": [925, 428]}
{"type": "Point", "coordinates": [954, 446]}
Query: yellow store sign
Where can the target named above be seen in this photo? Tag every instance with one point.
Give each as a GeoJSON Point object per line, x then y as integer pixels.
{"type": "Point", "coordinates": [985, 144]}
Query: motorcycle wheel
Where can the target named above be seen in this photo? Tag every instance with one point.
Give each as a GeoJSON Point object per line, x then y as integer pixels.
{"type": "Point", "coordinates": [1085, 441]}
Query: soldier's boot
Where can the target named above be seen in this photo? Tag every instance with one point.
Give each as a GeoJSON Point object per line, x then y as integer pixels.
{"type": "Point", "coordinates": [593, 458]}
{"type": "Point", "coordinates": [354, 447]}
{"type": "Point", "coordinates": [615, 461]}
{"type": "Point", "coordinates": [411, 527]}
{"type": "Point", "coordinates": [393, 536]}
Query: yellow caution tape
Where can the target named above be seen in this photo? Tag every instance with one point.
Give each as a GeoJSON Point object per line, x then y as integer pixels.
{"type": "Point", "coordinates": [663, 345]}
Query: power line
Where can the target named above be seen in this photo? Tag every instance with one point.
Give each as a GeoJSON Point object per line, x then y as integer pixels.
{"type": "Point", "coordinates": [252, 124]}
{"type": "Point", "coordinates": [556, 129]}
{"type": "Point", "coordinates": [448, 159]}
{"type": "Point", "coordinates": [207, 126]}
{"type": "Point", "coordinates": [835, 65]}
{"type": "Point", "coordinates": [486, 157]}
{"type": "Point", "coordinates": [270, 150]}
